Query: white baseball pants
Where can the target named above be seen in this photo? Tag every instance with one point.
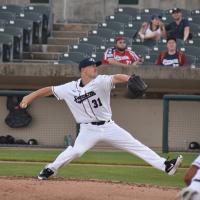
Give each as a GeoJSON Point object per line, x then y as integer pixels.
{"type": "Point", "coordinates": [111, 133]}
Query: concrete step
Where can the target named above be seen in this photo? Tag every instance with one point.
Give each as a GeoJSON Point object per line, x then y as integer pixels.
{"type": "Point", "coordinates": [49, 48]}
{"type": "Point", "coordinates": [62, 41]}
{"type": "Point", "coordinates": [41, 56]}
{"type": "Point", "coordinates": [69, 34]}
{"type": "Point", "coordinates": [73, 27]}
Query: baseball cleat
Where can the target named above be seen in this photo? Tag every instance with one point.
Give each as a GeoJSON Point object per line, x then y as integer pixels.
{"type": "Point", "coordinates": [172, 165]}
{"type": "Point", "coordinates": [45, 174]}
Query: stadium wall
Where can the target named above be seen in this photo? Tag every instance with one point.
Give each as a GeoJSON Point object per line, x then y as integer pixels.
{"type": "Point", "coordinates": [92, 11]}
{"type": "Point", "coordinates": [52, 121]}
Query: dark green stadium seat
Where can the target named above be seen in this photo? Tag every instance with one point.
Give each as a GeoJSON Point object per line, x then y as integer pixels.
{"type": "Point", "coordinates": [196, 19]}
{"type": "Point", "coordinates": [195, 30]}
{"type": "Point", "coordinates": [102, 48]}
{"type": "Point", "coordinates": [84, 48]}
{"type": "Point", "coordinates": [36, 18]}
{"type": "Point", "coordinates": [27, 26]}
{"type": "Point", "coordinates": [17, 33]}
{"type": "Point", "coordinates": [152, 11]}
{"type": "Point", "coordinates": [150, 59]}
{"type": "Point", "coordinates": [141, 50]}
{"type": "Point", "coordinates": [130, 32]}
{"type": "Point", "coordinates": [73, 56]}
{"type": "Point", "coordinates": [3, 22]}
{"type": "Point", "coordinates": [193, 42]}
{"type": "Point", "coordinates": [44, 9]}
{"type": "Point", "coordinates": [191, 50]}
{"type": "Point", "coordinates": [191, 60]}
{"type": "Point", "coordinates": [118, 17]}
{"type": "Point", "coordinates": [98, 56]}
{"type": "Point", "coordinates": [136, 25]}
{"type": "Point", "coordinates": [95, 40]}
{"type": "Point", "coordinates": [116, 26]}
{"type": "Point", "coordinates": [16, 9]}
{"type": "Point", "coordinates": [7, 41]}
{"type": "Point", "coordinates": [195, 12]}
{"type": "Point", "coordinates": [128, 11]}
{"type": "Point", "coordinates": [103, 32]}
{"type": "Point", "coordinates": [8, 16]}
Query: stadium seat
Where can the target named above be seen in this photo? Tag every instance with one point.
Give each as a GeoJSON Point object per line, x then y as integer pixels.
{"type": "Point", "coordinates": [95, 40]}
{"type": "Point", "coordinates": [86, 49]}
{"type": "Point", "coordinates": [72, 56]}
{"type": "Point", "coordinates": [44, 9]}
{"type": "Point", "coordinates": [128, 11]}
{"type": "Point", "coordinates": [16, 9]}
{"type": "Point", "coordinates": [152, 11]}
{"type": "Point", "coordinates": [130, 32]}
{"type": "Point", "coordinates": [118, 17]}
{"type": "Point", "coordinates": [195, 30]}
{"type": "Point", "coordinates": [103, 32]}
{"type": "Point", "coordinates": [141, 50]}
{"type": "Point", "coordinates": [116, 26]}
{"type": "Point", "coordinates": [27, 26]}
{"type": "Point", "coordinates": [158, 48]}
{"type": "Point", "coordinates": [149, 43]}
{"type": "Point", "coordinates": [8, 16]}
{"type": "Point", "coordinates": [36, 18]}
{"type": "Point", "coordinates": [191, 50]}
{"type": "Point", "coordinates": [98, 56]}
{"type": "Point", "coordinates": [7, 41]}
{"type": "Point", "coordinates": [150, 59]}
{"type": "Point", "coordinates": [3, 22]}
{"type": "Point", "coordinates": [17, 33]}
{"type": "Point", "coordinates": [191, 60]}
{"type": "Point", "coordinates": [135, 25]}
{"type": "Point", "coordinates": [195, 19]}
{"type": "Point", "coordinates": [193, 42]}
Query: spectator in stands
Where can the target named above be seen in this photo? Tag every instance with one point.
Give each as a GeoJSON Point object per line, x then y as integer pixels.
{"type": "Point", "coordinates": [179, 28]}
{"type": "Point", "coordinates": [155, 29]}
{"type": "Point", "coordinates": [120, 54]}
{"type": "Point", "coordinates": [171, 56]}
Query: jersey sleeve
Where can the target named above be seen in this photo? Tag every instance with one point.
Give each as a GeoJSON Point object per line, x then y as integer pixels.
{"type": "Point", "coordinates": [186, 23]}
{"type": "Point", "coordinates": [60, 91]}
{"type": "Point", "coordinates": [197, 162]}
{"type": "Point", "coordinates": [134, 56]}
{"type": "Point", "coordinates": [105, 82]}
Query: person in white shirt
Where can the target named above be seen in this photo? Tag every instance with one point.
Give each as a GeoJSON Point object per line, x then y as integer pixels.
{"type": "Point", "coordinates": [89, 101]}
{"type": "Point", "coordinates": [155, 29]}
{"type": "Point", "coordinates": [192, 180]}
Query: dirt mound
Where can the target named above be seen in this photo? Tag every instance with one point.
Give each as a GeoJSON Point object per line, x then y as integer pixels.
{"type": "Point", "coordinates": [32, 189]}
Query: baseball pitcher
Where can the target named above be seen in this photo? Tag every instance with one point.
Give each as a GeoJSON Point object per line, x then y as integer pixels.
{"type": "Point", "coordinates": [89, 101]}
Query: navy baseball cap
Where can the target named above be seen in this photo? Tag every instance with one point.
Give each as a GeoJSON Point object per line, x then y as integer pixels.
{"type": "Point", "coordinates": [87, 62]}
{"type": "Point", "coordinates": [176, 10]}
{"type": "Point", "coordinates": [156, 17]}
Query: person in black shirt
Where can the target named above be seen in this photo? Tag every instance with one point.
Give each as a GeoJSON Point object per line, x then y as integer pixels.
{"type": "Point", "coordinates": [179, 28]}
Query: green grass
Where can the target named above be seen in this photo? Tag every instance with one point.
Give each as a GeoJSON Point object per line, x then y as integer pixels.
{"type": "Point", "coordinates": [125, 174]}
{"type": "Point", "coordinates": [92, 157]}
{"type": "Point", "coordinates": [111, 166]}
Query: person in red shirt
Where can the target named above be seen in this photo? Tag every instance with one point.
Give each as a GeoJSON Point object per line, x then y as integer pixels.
{"type": "Point", "coordinates": [120, 55]}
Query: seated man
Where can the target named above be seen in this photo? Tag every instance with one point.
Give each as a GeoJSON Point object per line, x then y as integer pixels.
{"type": "Point", "coordinates": [120, 55]}
{"type": "Point", "coordinates": [155, 29]}
{"type": "Point", "coordinates": [171, 57]}
{"type": "Point", "coordinates": [192, 180]}
{"type": "Point", "coordinates": [179, 28]}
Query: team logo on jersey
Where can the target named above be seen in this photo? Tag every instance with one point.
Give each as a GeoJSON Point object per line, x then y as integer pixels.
{"type": "Point", "coordinates": [83, 97]}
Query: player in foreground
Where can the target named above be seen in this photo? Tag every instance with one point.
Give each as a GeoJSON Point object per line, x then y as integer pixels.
{"type": "Point", "coordinates": [192, 180]}
{"type": "Point", "coordinates": [89, 101]}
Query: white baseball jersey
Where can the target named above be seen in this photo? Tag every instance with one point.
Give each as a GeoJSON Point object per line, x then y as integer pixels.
{"type": "Point", "coordinates": [89, 103]}
{"type": "Point", "coordinates": [197, 162]}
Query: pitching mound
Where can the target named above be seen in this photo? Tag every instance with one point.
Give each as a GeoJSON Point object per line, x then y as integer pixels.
{"type": "Point", "coordinates": [32, 189]}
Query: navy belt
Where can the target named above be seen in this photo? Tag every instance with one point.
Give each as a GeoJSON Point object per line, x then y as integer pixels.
{"type": "Point", "coordinates": [99, 123]}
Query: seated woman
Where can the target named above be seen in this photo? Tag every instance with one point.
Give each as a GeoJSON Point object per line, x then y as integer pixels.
{"type": "Point", "coordinates": [155, 29]}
